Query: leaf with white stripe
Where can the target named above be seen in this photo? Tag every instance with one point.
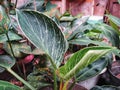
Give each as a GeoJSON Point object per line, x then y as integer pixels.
{"type": "Point", "coordinates": [44, 33]}
{"type": "Point", "coordinates": [80, 60]}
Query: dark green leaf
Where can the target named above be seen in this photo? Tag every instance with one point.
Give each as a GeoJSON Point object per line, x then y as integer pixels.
{"type": "Point", "coordinates": [12, 36]}
{"type": "Point", "coordinates": [8, 86]}
{"type": "Point", "coordinates": [43, 33]}
{"type": "Point", "coordinates": [80, 60]}
{"type": "Point", "coordinates": [6, 61]}
{"type": "Point", "coordinates": [92, 70]}
{"type": "Point", "coordinates": [107, 87]}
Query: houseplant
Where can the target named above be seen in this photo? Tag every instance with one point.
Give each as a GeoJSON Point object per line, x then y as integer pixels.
{"type": "Point", "coordinates": [44, 33]}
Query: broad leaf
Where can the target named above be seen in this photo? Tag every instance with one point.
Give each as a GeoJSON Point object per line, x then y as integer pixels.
{"type": "Point", "coordinates": [114, 19]}
{"type": "Point", "coordinates": [6, 61]}
{"type": "Point", "coordinates": [80, 60]}
{"type": "Point", "coordinates": [12, 36]}
{"type": "Point", "coordinates": [92, 70]}
{"type": "Point", "coordinates": [44, 33]}
{"type": "Point", "coordinates": [107, 87]}
{"type": "Point", "coordinates": [8, 86]}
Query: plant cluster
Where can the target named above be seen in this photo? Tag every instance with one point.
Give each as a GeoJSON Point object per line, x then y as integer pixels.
{"type": "Point", "coordinates": [30, 37]}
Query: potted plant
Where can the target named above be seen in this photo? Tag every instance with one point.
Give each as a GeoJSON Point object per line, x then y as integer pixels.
{"type": "Point", "coordinates": [45, 34]}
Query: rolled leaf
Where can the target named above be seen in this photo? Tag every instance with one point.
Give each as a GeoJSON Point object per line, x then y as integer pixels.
{"type": "Point", "coordinates": [8, 86]}
{"type": "Point", "coordinates": [80, 60]}
{"type": "Point", "coordinates": [44, 33]}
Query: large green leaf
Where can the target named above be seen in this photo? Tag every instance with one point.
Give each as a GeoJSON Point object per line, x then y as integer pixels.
{"type": "Point", "coordinates": [110, 33]}
{"type": "Point", "coordinates": [80, 60]}
{"type": "Point", "coordinates": [92, 70]}
{"type": "Point", "coordinates": [107, 87]}
{"type": "Point", "coordinates": [8, 86]}
{"type": "Point", "coordinates": [12, 36]}
{"type": "Point", "coordinates": [114, 19]}
{"type": "Point", "coordinates": [44, 33]}
{"type": "Point", "coordinates": [6, 61]}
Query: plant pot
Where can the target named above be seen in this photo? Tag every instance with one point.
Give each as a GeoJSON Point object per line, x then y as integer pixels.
{"type": "Point", "coordinates": [114, 73]}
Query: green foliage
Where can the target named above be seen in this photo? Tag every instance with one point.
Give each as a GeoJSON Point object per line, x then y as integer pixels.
{"type": "Point", "coordinates": [119, 1]}
{"type": "Point", "coordinates": [11, 34]}
{"type": "Point", "coordinates": [6, 61]}
{"type": "Point", "coordinates": [80, 60]}
{"type": "Point", "coordinates": [107, 87]}
{"type": "Point", "coordinates": [8, 86]}
{"type": "Point", "coordinates": [4, 20]}
{"type": "Point", "coordinates": [17, 47]}
{"type": "Point", "coordinates": [92, 70]}
{"type": "Point", "coordinates": [44, 34]}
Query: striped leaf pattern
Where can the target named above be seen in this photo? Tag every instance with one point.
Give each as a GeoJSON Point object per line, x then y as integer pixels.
{"type": "Point", "coordinates": [44, 33]}
{"type": "Point", "coordinates": [80, 60]}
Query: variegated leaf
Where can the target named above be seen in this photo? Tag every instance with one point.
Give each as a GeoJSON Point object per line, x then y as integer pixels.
{"type": "Point", "coordinates": [44, 33]}
{"type": "Point", "coordinates": [80, 60]}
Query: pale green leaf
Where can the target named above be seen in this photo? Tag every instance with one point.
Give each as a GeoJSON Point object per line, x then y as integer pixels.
{"type": "Point", "coordinates": [114, 19]}
{"type": "Point", "coordinates": [44, 33]}
{"type": "Point", "coordinates": [80, 60]}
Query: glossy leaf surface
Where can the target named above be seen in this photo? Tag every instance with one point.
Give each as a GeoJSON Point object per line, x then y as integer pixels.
{"type": "Point", "coordinates": [80, 60]}
{"type": "Point", "coordinates": [44, 33]}
{"type": "Point", "coordinates": [8, 86]}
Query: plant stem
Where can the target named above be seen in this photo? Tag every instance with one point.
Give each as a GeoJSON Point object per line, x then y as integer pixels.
{"type": "Point", "coordinates": [13, 52]}
{"type": "Point", "coordinates": [19, 78]}
{"type": "Point", "coordinates": [55, 80]}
